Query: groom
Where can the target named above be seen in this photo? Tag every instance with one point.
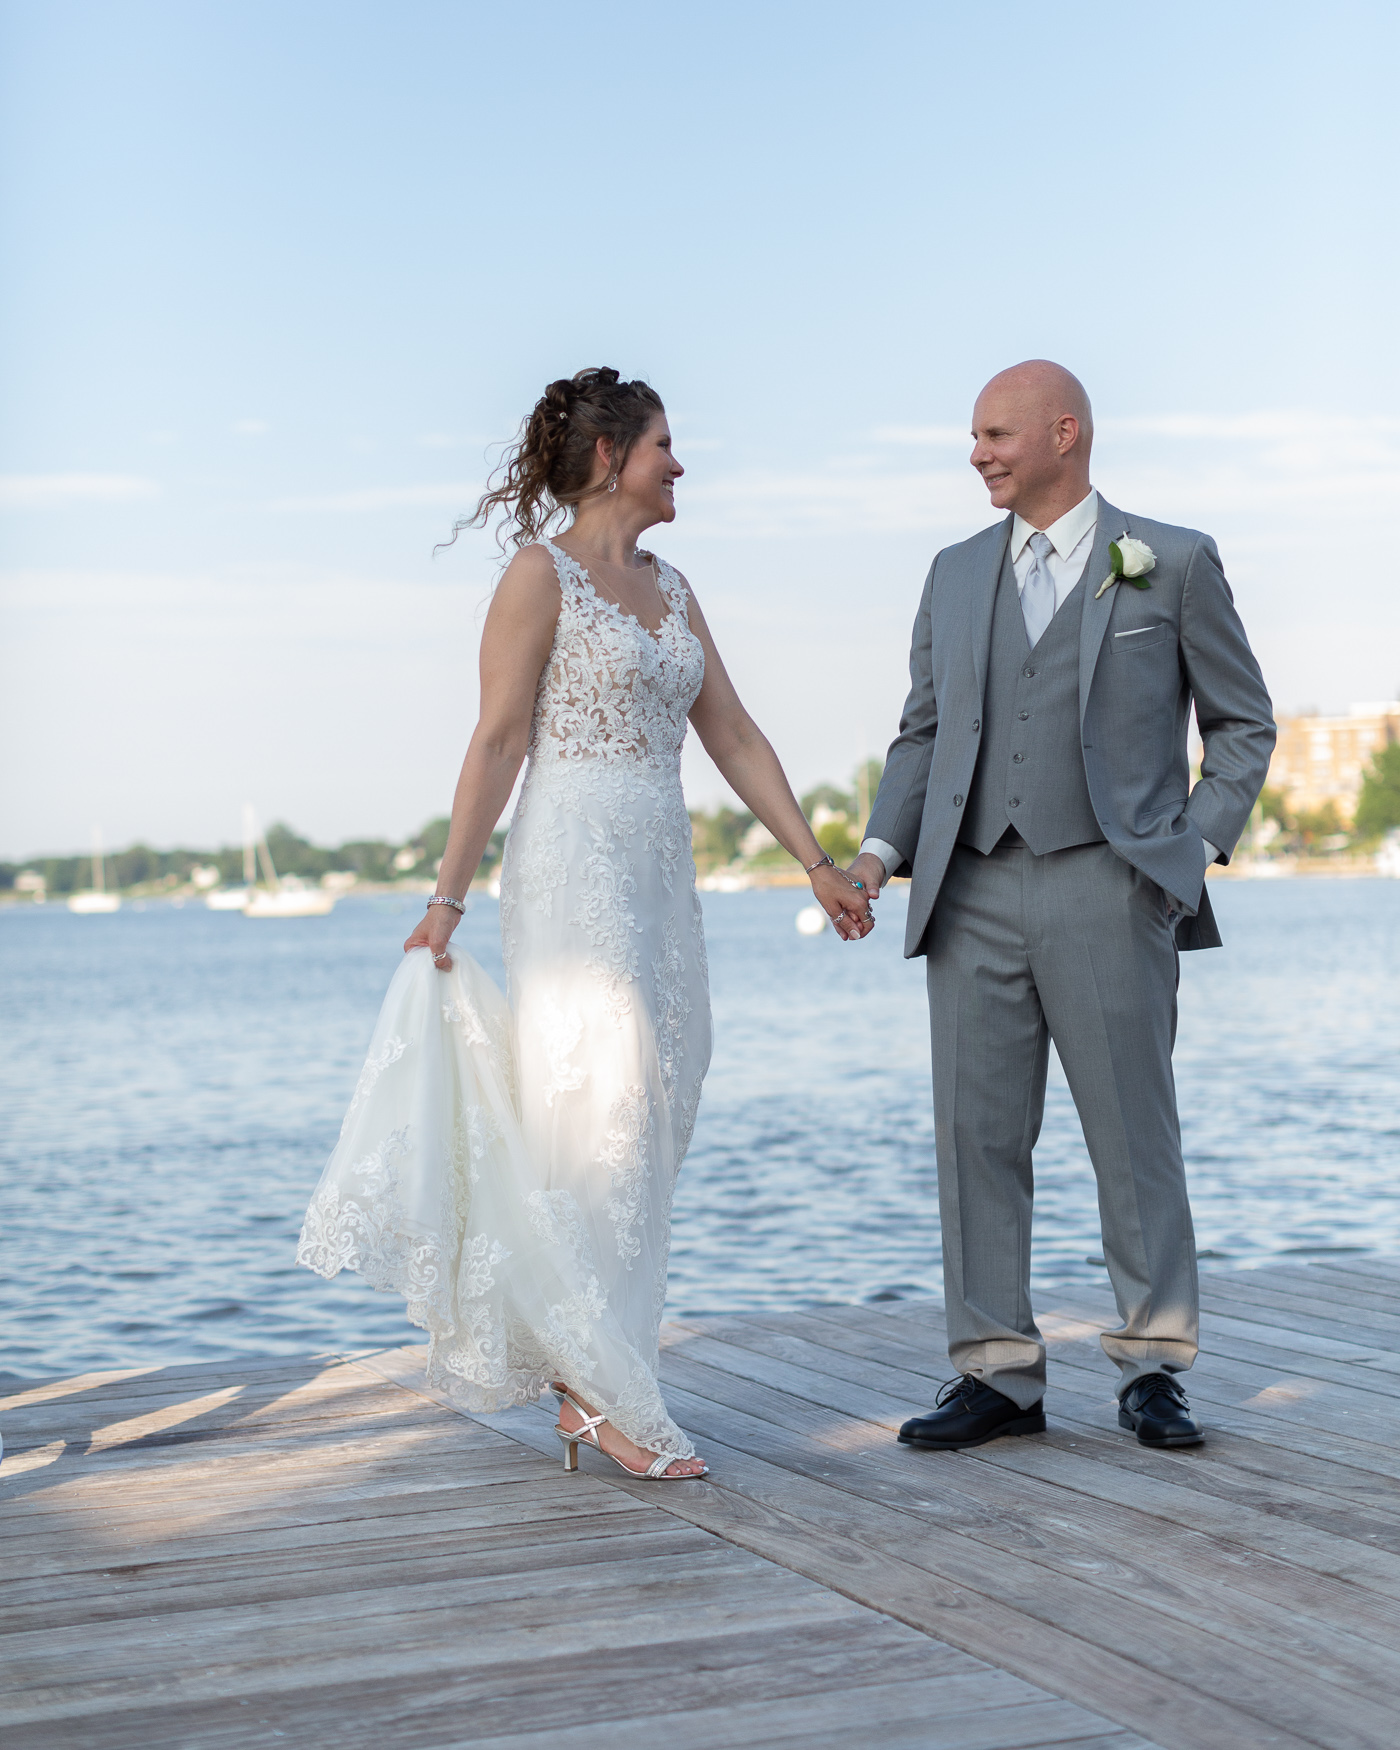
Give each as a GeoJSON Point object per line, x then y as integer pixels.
{"type": "Point", "coordinates": [1039, 792]}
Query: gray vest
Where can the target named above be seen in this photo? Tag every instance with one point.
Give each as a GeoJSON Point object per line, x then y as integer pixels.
{"type": "Point", "coordinates": [1030, 766]}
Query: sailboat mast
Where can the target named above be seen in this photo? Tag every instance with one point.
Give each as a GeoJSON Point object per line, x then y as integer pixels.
{"type": "Point", "coordinates": [265, 858]}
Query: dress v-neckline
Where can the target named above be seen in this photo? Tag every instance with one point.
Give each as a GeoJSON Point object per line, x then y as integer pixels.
{"type": "Point", "coordinates": [622, 613]}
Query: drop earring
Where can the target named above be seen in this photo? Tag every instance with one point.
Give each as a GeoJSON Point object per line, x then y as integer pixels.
{"type": "Point", "coordinates": [612, 484]}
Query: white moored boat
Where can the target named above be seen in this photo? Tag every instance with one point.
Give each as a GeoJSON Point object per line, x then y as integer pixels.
{"type": "Point", "coordinates": [280, 896]}
{"type": "Point", "coordinates": [227, 898]}
{"type": "Point", "coordinates": [236, 898]}
{"type": "Point", "coordinates": [289, 899]}
{"type": "Point", "coordinates": [97, 899]}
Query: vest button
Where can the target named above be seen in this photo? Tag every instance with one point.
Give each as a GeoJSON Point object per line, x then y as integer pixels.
{"type": "Point", "coordinates": [1016, 758]}
{"type": "Point", "coordinates": [1028, 672]}
{"type": "Point", "coordinates": [976, 725]}
{"type": "Point", "coordinates": [957, 802]}
{"type": "Point", "coordinates": [1015, 802]}
{"type": "Point", "coordinates": [1024, 716]}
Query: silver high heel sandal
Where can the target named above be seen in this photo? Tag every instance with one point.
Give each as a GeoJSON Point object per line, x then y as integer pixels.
{"type": "Point", "coordinates": [587, 1435]}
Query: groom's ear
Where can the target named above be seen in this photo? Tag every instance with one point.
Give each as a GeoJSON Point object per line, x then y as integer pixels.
{"type": "Point", "coordinates": [1066, 433]}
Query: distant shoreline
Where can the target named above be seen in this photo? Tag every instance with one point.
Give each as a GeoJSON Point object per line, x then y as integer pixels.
{"type": "Point", "coordinates": [728, 879]}
{"type": "Point", "coordinates": [1289, 868]}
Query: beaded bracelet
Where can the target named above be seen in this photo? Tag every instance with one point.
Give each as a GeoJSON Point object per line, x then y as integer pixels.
{"type": "Point", "coordinates": [447, 899]}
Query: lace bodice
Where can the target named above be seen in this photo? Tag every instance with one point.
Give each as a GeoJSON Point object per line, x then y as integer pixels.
{"type": "Point", "coordinates": [611, 689]}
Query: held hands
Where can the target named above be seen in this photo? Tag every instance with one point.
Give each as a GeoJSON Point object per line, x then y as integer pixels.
{"type": "Point", "coordinates": [871, 871]}
{"type": "Point", "coordinates": [844, 903]}
{"type": "Point", "coordinates": [434, 933]}
{"type": "Point", "coordinates": [847, 895]}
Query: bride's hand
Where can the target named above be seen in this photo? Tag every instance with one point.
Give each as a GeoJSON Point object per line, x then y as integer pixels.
{"type": "Point", "coordinates": [843, 902]}
{"type": "Point", "coordinates": [434, 933]}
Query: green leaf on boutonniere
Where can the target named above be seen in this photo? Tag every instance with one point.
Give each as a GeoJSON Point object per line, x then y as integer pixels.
{"type": "Point", "coordinates": [1118, 573]}
{"type": "Point", "coordinates": [1115, 560]}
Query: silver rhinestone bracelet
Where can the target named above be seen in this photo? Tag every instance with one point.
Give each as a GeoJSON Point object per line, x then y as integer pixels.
{"type": "Point", "coordinates": [447, 899]}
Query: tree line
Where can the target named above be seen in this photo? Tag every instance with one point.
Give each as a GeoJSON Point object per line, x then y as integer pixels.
{"type": "Point", "coordinates": [371, 860]}
{"type": "Point", "coordinates": [719, 838]}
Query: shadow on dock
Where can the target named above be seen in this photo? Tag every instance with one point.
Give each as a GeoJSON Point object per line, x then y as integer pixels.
{"type": "Point", "coordinates": [323, 1551]}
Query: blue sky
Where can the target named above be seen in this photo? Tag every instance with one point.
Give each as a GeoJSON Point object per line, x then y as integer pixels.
{"type": "Point", "coordinates": [278, 274]}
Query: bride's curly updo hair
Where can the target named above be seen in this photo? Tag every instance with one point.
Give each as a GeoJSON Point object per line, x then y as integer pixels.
{"type": "Point", "coordinates": [546, 471]}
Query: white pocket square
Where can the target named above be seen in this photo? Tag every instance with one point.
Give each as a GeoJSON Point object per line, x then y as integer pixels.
{"type": "Point", "coordinates": [1137, 631]}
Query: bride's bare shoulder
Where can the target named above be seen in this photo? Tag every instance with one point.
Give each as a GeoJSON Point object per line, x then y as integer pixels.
{"type": "Point", "coordinates": [529, 583]}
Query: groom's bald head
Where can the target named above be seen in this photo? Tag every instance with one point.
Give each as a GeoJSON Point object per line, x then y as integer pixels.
{"type": "Point", "coordinates": [1048, 389]}
{"type": "Point", "coordinates": [1033, 429]}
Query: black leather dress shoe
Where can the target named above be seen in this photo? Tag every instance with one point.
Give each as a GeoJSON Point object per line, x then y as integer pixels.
{"type": "Point", "coordinates": [1156, 1407]}
{"type": "Point", "coordinates": [970, 1413]}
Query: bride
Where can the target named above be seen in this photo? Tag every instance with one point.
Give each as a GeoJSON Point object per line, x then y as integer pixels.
{"type": "Point", "coordinates": [510, 1170]}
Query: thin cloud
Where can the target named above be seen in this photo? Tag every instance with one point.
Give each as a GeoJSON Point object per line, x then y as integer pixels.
{"type": "Point", "coordinates": [1279, 465]}
{"type": "Point", "coordinates": [922, 436]}
{"type": "Point", "coordinates": [43, 491]}
{"type": "Point", "coordinates": [849, 499]}
{"type": "Point", "coordinates": [1272, 427]}
{"type": "Point", "coordinates": [446, 495]}
{"type": "Point", "coordinates": [1291, 467]}
{"type": "Point", "coordinates": [250, 428]}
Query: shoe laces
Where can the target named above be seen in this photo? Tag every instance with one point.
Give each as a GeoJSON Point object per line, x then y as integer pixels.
{"type": "Point", "coordinates": [1151, 1384]}
{"type": "Point", "coordinates": [961, 1387]}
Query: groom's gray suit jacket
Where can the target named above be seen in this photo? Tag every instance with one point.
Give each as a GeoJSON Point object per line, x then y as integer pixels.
{"type": "Point", "coordinates": [1135, 695]}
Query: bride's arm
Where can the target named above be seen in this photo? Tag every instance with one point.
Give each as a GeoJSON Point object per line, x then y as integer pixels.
{"type": "Point", "coordinates": [515, 645]}
{"type": "Point", "coordinates": [753, 771]}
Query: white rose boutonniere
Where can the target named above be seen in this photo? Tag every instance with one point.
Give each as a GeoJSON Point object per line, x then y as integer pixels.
{"type": "Point", "coordinates": [1131, 561]}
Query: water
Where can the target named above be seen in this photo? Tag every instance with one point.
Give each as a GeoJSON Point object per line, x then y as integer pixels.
{"type": "Point", "coordinates": [173, 1079]}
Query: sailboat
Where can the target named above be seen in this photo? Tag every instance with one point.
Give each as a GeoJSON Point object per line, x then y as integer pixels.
{"type": "Point", "coordinates": [97, 899]}
{"type": "Point", "coordinates": [236, 898]}
{"type": "Point", "coordinates": [283, 896]}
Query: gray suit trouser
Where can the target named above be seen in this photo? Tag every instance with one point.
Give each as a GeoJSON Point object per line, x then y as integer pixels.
{"type": "Point", "coordinates": [1074, 946]}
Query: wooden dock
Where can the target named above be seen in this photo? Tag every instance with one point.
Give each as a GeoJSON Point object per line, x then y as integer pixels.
{"type": "Point", "coordinates": [320, 1552]}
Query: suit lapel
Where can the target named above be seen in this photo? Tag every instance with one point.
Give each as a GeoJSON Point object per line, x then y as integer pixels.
{"type": "Point", "coordinates": [983, 599]}
{"type": "Point", "coordinates": [1094, 623]}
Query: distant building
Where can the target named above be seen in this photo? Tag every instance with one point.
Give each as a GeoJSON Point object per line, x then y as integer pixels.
{"type": "Point", "coordinates": [1323, 759]}
{"type": "Point", "coordinates": [756, 839]}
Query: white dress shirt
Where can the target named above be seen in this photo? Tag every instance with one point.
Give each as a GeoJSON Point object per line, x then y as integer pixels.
{"type": "Point", "coordinates": [1071, 540]}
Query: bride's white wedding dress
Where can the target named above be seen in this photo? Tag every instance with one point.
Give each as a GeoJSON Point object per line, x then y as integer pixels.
{"type": "Point", "coordinates": [509, 1170]}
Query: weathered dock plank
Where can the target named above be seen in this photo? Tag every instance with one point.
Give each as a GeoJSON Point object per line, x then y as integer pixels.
{"type": "Point", "coordinates": [310, 1553]}
{"type": "Point", "coordinates": [324, 1550]}
{"type": "Point", "coordinates": [1246, 1592]}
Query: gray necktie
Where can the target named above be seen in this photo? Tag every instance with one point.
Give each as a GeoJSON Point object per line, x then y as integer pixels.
{"type": "Point", "coordinates": [1038, 591]}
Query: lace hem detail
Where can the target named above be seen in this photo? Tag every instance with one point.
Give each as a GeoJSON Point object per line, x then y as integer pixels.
{"type": "Point", "coordinates": [432, 1195]}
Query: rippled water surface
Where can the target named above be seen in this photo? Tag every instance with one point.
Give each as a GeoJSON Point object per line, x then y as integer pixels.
{"type": "Point", "coordinates": [172, 1081]}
